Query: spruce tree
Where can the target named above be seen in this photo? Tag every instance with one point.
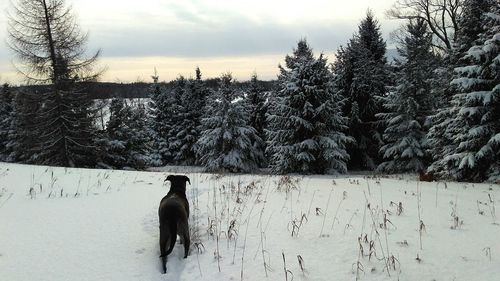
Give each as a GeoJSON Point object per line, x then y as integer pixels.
{"type": "Point", "coordinates": [116, 141]}
{"type": "Point", "coordinates": [226, 142]}
{"type": "Point", "coordinates": [6, 114]}
{"type": "Point", "coordinates": [409, 104]}
{"type": "Point", "coordinates": [154, 121]}
{"type": "Point", "coordinates": [256, 98]}
{"type": "Point", "coordinates": [361, 77]}
{"type": "Point", "coordinates": [477, 103]}
{"type": "Point", "coordinates": [23, 136]}
{"type": "Point", "coordinates": [127, 143]}
{"type": "Point", "coordinates": [448, 131]}
{"type": "Point", "coordinates": [192, 102]}
{"type": "Point", "coordinates": [305, 124]}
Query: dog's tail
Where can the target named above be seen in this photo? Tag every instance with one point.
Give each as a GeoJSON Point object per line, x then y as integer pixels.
{"type": "Point", "coordinates": [173, 236]}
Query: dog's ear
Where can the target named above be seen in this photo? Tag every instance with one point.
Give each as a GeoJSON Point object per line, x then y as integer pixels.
{"type": "Point", "coordinates": [169, 178]}
{"type": "Point", "coordinates": [187, 179]}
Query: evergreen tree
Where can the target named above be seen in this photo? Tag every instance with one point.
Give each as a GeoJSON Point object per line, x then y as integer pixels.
{"type": "Point", "coordinates": [305, 124]}
{"type": "Point", "coordinates": [154, 123]}
{"type": "Point", "coordinates": [258, 109]}
{"type": "Point", "coordinates": [448, 131]}
{"type": "Point", "coordinates": [116, 142]}
{"type": "Point", "coordinates": [6, 114]}
{"type": "Point", "coordinates": [127, 143]}
{"type": "Point", "coordinates": [139, 139]}
{"type": "Point", "coordinates": [163, 111]}
{"type": "Point", "coordinates": [470, 23]}
{"type": "Point", "coordinates": [361, 77]}
{"type": "Point", "coordinates": [477, 103]}
{"type": "Point", "coordinates": [192, 101]}
{"type": "Point", "coordinates": [226, 142]}
{"type": "Point", "coordinates": [409, 104]}
{"type": "Point", "coordinates": [23, 136]}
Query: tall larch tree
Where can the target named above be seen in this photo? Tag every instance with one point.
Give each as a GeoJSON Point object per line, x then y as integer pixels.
{"type": "Point", "coordinates": [50, 49]}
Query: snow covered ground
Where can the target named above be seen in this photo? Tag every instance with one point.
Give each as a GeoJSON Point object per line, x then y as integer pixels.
{"type": "Point", "coordinates": [77, 224]}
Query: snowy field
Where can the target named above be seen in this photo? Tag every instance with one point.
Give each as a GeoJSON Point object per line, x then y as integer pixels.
{"type": "Point", "coordinates": [77, 224]}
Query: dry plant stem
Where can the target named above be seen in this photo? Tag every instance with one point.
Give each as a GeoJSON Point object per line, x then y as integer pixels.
{"type": "Point", "coordinates": [326, 210]}
{"type": "Point", "coordinates": [265, 229]}
{"type": "Point", "coordinates": [263, 256]}
{"type": "Point", "coordinates": [310, 204]}
{"type": "Point", "coordinates": [245, 240]}
{"type": "Point", "coordinates": [359, 248]}
{"type": "Point", "coordinates": [368, 185]}
{"type": "Point", "coordinates": [336, 213]}
{"type": "Point", "coordinates": [217, 230]}
{"type": "Point", "coordinates": [385, 229]}
{"type": "Point", "coordinates": [374, 226]}
{"type": "Point", "coordinates": [284, 267]}
{"type": "Point", "coordinates": [419, 198]}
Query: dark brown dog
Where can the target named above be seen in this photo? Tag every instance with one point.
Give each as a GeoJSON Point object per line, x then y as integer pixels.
{"type": "Point", "coordinates": [423, 176]}
{"type": "Point", "coordinates": [173, 214]}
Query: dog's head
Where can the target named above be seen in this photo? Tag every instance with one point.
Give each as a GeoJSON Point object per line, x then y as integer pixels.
{"type": "Point", "coordinates": [178, 183]}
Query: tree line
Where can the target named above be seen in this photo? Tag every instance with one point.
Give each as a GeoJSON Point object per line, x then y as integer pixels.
{"type": "Point", "coordinates": [436, 109]}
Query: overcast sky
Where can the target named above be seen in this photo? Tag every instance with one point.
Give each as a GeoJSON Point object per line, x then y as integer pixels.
{"type": "Point", "coordinates": [239, 36]}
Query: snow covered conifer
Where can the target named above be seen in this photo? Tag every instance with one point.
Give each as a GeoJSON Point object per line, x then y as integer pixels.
{"type": "Point", "coordinates": [409, 104]}
{"type": "Point", "coordinates": [192, 102]}
{"type": "Point", "coordinates": [305, 122]}
{"type": "Point", "coordinates": [127, 143]}
{"type": "Point", "coordinates": [6, 114]}
{"type": "Point", "coordinates": [258, 108]}
{"type": "Point", "coordinates": [477, 102]}
{"type": "Point", "coordinates": [361, 77]}
{"type": "Point", "coordinates": [116, 141]}
{"type": "Point", "coordinates": [226, 142]}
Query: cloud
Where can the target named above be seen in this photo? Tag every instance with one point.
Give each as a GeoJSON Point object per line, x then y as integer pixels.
{"type": "Point", "coordinates": [243, 37]}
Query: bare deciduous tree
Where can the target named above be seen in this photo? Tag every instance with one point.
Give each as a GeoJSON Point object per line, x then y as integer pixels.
{"type": "Point", "coordinates": [440, 15]}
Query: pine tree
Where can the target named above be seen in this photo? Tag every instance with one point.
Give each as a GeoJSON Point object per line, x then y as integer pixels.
{"type": "Point", "coordinates": [409, 104]}
{"type": "Point", "coordinates": [305, 124]}
{"type": "Point", "coordinates": [361, 77]}
{"type": "Point", "coordinates": [226, 142]}
{"type": "Point", "coordinates": [6, 114]}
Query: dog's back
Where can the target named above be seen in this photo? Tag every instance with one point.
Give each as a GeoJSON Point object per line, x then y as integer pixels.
{"type": "Point", "coordinates": [173, 216]}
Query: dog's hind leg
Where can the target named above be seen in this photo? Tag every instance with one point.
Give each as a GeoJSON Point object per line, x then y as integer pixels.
{"type": "Point", "coordinates": [164, 241]}
{"type": "Point", "coordinates": [184, 236]}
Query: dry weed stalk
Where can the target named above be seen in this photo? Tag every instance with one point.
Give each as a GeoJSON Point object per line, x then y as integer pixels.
{"type": "Point", "coordinates": [287, 272]}
{"type": "Point", "coordinates": [302, 264]}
